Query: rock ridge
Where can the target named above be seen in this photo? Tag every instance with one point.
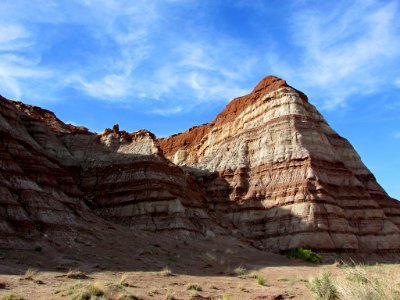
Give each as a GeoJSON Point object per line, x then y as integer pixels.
{"type": "Point", "coordinates": [268, 169]}
{"type": "Point", "coordinates": [285, 178]}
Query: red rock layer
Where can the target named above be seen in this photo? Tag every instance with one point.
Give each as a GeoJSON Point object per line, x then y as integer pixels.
{"type": "Point", "coordinates": [39, 197]}
{"type": "Point", "coordinates": [194, 135]}
{"type": "Point", "coordinates": [55, 178]}
{"type": "Point", "coordinates": [268, 168]}
{"type": "Point", "coordinates": [281, 177]}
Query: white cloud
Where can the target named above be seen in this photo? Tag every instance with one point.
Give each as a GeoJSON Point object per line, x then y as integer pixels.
{"type": "Point", "coordinates": [110, 86]}
{"type": "Point", "coordinates": [13, 37]}
{"type": "Point", "coordinates": [344, 51]}
{"type": "Point", "coordinates": [140, 53]}
{"type": "Point", "coordinates": [167, 111]}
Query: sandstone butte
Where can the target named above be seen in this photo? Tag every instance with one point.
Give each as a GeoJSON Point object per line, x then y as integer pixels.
{"type": "Point", "coordinates": [268, 170]}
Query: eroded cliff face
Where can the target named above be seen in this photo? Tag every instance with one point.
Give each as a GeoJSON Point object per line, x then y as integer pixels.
{"type": "Point", "coordinates": [284, 178]}
{"type": "Point", "coordinates": [268, 168]}
{"type": "Point", "coordinates": [59, 181]}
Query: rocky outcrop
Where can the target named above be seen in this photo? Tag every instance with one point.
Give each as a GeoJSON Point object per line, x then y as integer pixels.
{"type": "Point", "coordinates": [283, 178]}
{"type": "Point", "coordinates": [268, 169]}
{"type": "Point", "coordinates": [57, 179]}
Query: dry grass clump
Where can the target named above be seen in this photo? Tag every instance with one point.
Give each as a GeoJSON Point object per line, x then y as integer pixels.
{"type": "Point", "coordinates": [261, 280]}
{"type": "Point", "coordinates": [12, 297]}
{"type": "Point", "coordinates": [194, 287]}
{"type": "Point", "coordinates": [97, 290]}
{"type": "Point", "coordinates": [124, 279]}
{"type": "Point", "coordinates": [76, 274]}
{"type": "Point", "coordinates": [366, 282]}
{"type": "Point", "coordinates": [226, 297]}
{"type": "Point", "coordinates": [323, 288]}
{"type": "Point", "coordinates": [240, 271]}
{"type": "Point", "coordinates": [29, 274]}
{"type": "Point", "coordinates": [358, 283]}
{"type": "Point", "coordinates": [166, 271]}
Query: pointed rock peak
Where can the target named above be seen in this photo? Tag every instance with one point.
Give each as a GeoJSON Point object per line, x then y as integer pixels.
{"type": "Point", "coordinates": [269, 83]}
{"type": "Point", "coordinates": [236, 106]}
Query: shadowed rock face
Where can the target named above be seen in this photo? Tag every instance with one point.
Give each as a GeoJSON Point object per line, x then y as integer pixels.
{"type": "Point", "coordinates": [58, 180]}
{"type": "Point", "coordinates": [268, 168]}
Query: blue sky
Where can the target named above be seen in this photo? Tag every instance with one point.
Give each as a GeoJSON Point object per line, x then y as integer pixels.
{"type": "Point", "coordinates": [168, 65]}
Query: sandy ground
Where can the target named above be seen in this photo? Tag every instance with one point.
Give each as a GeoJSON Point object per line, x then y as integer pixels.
{"type": "Point", "coordinates": [125, 265]}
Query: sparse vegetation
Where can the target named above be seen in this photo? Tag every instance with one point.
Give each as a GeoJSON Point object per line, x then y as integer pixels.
{"type": "Point", "coordinates": [369, 282]}
{"type": "Point", "coordinates": [76, 274]}
{"type": "Point", "coordinates": [240, 271]}
{"type": "Point", "coordinates": [12, 297]}
{"type": "Point", "coordinates": [303, 254]}
{"type": "Point", "coordinates": [194, 287]}
{"type": "Point", "coordinates": [166, 271]}
{"type": "Point", "coordinates": [360, 282]}
{"type": "Point", "coordinates": [29, 274]}
{"type": "Point", "coordinates": [323, 288]}
{"type": "Point", "coordinates": [153, 292]}
{"type": "Point", "coordinates": [213, 287]}
{"type": "Point", "coordinates": [170, 296]}
{"type": "Point", "coordinates": [241, 287]}
{"type": "Point", "coordinates": [123, 279]}
{"type": "Point", "coordinates": [260, 280]}
{"type": "Point", "coordinates": [101, 290]}
{"type": "Point", "coordinates": [226, 297]}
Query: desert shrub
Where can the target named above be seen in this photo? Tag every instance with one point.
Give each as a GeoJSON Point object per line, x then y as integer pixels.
{"type": "Point", "coordinates": [194, 287]}
{"type": "Point", "coordinates": [323, 288]}
{"type": "Point", "coordinates": [303, 254]}
{"type": "Point", "coordinates": [240, 271]}
{"type": "Point", "coordinates": [260, 280]}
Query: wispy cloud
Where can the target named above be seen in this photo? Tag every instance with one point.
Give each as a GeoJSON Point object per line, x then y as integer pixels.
{"type": "Point", "coordinates": [110, 86]}
{"type": "Point", "coordinates": [133, 52]}
{"type": "Point", "coordinates": [396, 82]}
{"type": "Point", "coordinates": [18, 60]}
{"type": "Point", "coordinates": [137, 51]}
{"type": "Point", "coordinates": [344, 50]}
{"type": "Point", "coordinates": [167, 111]}
{"type": "Point", "coordinates": [13, 37]}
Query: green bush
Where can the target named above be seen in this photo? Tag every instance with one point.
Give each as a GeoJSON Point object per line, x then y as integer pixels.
{"type": "Point", "coordinates": [303, 254]}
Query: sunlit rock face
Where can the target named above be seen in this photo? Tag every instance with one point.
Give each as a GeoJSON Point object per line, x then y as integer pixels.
{"type": "Point", "coordinates": [268, 169]}
{"type": "Point", "coordinates": [281, 177]}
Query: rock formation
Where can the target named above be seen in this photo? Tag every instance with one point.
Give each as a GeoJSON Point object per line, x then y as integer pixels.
{"type": "Point", "coordinates": [57, 179]}
{"type": "Point", "coordinates": [284, 178]}
{"type": "Point", "coordinates": [268, 169]}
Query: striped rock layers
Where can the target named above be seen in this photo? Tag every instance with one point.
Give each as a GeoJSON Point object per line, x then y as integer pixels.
{"type": "Point", "coordinates": [276, 173]}
{"type": "Point", "coordinates": [59, 182]}
{"type": "Point", "coordinates": [268, 168]}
